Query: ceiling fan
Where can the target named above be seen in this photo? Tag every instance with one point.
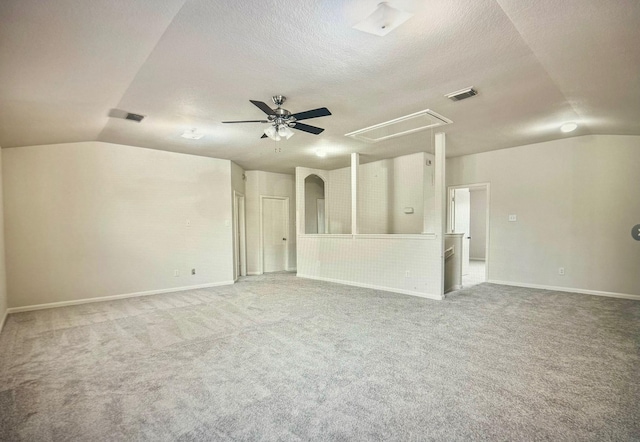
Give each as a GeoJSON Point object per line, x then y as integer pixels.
{"type": "Point", "coordinates": [282, 121]}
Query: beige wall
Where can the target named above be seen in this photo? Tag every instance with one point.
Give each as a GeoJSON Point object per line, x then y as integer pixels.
{"type": "Point", "coordinates": [478, 223]}
{"type": "Point", "coordinates": [576, 202]}
{"type": "Point", "coordinates": [338, 201]}
{"type": "Point", "coordinates": [268, 184]}
{"type": "Point", "coordinates": [313, 191]}
{"type": "Point", "coordinates": [3, 273]}
{"type": "Point", "coordinates": [238, 188]}
{"type": "Point", "coordinates": [385, 188]}
{"type": "Point", "coordinates": [91, 219]}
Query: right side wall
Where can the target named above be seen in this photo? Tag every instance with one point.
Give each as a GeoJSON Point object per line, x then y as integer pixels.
{"type": "Point", "coordinates": [576, 201]}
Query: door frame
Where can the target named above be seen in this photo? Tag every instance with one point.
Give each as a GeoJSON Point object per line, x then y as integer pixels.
{"type": "Point", "coordinates": [450, 216]}
{"type": "Point", "coordinates": [239, 235]}
{"type": "Point", "coordinates": [286, 223]}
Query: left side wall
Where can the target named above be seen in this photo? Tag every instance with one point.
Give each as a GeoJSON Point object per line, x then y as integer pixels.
{"type": "Point", "coordinates": [91, 219]}
{"type": "Point", "coordinates": [3, 271]}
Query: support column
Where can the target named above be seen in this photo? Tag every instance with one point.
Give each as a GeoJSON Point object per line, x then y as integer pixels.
{"type": "Point", "coordinates": [441, 201]}
{"type": "Point", "coordinates": [355, 164]}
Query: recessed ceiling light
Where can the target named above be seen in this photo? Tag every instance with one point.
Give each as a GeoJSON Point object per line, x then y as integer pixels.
{"type": "Point", "coordinates": [321, 153]}
{"type": "Point", "coordinates": [192, 134]}
{"type": "Point", "coordinates": [568, 127]}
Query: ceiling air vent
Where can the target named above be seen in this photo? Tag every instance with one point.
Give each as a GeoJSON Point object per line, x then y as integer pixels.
{"type": "Point", "coordinates": [134, 117]}
{"type": "Point", "coordinates": [425, 119]}
{"type": "Point", "coordinates": [462, 94]}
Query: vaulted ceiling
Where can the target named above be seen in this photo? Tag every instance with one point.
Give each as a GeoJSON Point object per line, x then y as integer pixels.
{"type": "Point", "coordinates": [66, 64]}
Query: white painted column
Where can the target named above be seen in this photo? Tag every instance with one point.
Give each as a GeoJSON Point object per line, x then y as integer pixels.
{"type": "Point", "coordinates": [355, 164]}
{"type": "Point", "coordinates": [441, 202]}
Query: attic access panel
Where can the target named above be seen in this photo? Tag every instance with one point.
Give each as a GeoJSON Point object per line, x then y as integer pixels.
{"type": "Point", "coordinates": [422, 120]}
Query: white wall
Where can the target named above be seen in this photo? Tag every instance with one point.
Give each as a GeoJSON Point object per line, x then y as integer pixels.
{"type": "Point", "coordinates": [381, 262]}
{"type": "Point", "coordinates": [3, 272]}
{"type": "Point", "coordinates": [410, 264]}
{"type": "Point", "coordinates": [478, 224]}
{"type": "Point", "coordinates": [91, 219]}
{"type": "Point", "coordinates": [267, 184]}
{"type": "Point", "coordinates": [338, 201]}
{"type": "Point", "coordinates": [576, 202]}
{"type": "Point", "coordinates": [386, 187]}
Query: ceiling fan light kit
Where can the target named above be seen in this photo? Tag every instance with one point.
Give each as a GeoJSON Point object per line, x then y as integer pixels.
{"type": "Point", "coordinates": [282, 121]}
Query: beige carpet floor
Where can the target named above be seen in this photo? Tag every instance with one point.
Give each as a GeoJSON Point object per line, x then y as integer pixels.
{"type": "Point", "coordinates": [277, 357]}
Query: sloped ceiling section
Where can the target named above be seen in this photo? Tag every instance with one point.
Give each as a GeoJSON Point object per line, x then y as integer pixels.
{"type": "Point", "coordinates": [65, 63]}
{"type": "Point", "coordinates": [192, 64]}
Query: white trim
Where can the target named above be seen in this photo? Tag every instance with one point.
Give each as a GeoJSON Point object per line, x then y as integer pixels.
{"type": "Point", "coordinates": [254, 273]}
{"type": "Point", "coordinates": [4, 319]}
{"type": "Point", "coordinates": [486, 185]}
{"type": "Point", "coordinates": [292, 269]}
{"type": "Point", "coordinates": [422, 236]}
{"type": "Point", "coordinates": [567, 289]}
{"type": "Point", "coordinates": [395, 236]}
{"type": "Point", "coordinates": [372, 286]}
{"type": "Point", "coordinates": [113, 297]}
{"type": "Point", "coordinates": [326, 235]}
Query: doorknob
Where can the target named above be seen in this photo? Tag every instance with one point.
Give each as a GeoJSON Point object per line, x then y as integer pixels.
{"type": "Point", "coordinates": [284, 239]}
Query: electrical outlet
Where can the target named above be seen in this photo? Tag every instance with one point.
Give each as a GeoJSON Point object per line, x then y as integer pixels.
{"type": "Point", "coordinates": [188, 223]}
{"type": "Point", "coordinates": [407, 274]}
{"type": "Point", "coordinates": [513, 218]}
{"type": "Point", "coordinates": [176, 273]}
{"type": "Point", "coordinates": [193, 271]}
{"type": "Point", "coordinates": [561, 271]}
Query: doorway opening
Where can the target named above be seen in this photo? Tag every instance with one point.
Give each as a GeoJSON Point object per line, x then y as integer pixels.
{"type": "Point", "coordinates": [274, 232]}
{"type": "Point", "coordinates": [469, 214]}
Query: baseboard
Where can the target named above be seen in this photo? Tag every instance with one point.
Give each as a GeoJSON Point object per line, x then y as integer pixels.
{"type": "Point", "coordinates": [254, 273]}
{"type": "Point", "coordinates": [477, 259]}
{"type": "Point", "coordinates": [292, 269]}
{"type": "Point", "coordinates": [568, 290]}
{"type": "Point", "coordinates": [372, 286]}
{"type": "Point", "coordinates": [29, 308]}
{"type": "Point", "coordinates": [4, 319]}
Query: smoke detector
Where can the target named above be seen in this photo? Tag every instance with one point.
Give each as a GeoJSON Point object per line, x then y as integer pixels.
{"type": "Point", "coordinates": [462, 94]}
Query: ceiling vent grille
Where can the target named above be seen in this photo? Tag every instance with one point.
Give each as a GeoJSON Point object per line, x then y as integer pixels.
{"type": "Point", "coordinates": [134, 117]}
{"type": "Point", "coordinates": [425, 119]}
{"type": "Point", "coordinates": [462, 94]}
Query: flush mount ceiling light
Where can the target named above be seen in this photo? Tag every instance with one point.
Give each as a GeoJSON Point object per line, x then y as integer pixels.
{"type": "Point", "coordinates": [383, 20]}
{"type": "Point", "coordinates": [192, 134]}
{"type": "Point", "coordinates": [568, 127]}
{"type": "Point", "coordinates": [321, 153]}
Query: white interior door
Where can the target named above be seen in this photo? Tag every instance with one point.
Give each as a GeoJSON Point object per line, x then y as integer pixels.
{"type": "Point", "coordinates": [275, 215]}
{"type": "Point", "coordinates": [462, 223]}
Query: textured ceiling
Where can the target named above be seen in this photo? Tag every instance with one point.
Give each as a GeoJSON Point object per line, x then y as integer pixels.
{"type": "Point", "coordinates": [64, 65]}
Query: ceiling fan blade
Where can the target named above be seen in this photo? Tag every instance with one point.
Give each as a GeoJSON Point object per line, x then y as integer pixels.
{"type": "Point", "coordinates": [247, 121]}
{"type": "Point", "coordinates": [264, 107]}
{"type": "Point", "coordinates": [315, 113]}
{"type": "Point", "coordinates": [264, 136]}
{"type": "Point", "coordinates": [306, 128]}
